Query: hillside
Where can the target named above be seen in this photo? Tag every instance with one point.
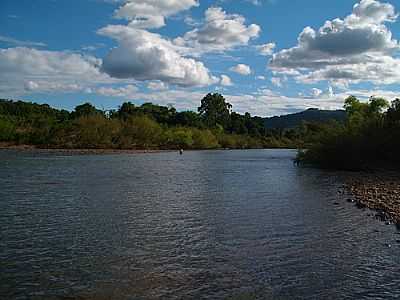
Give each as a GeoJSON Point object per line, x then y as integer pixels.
{"type": "Point", "coordinates": [309, 115]}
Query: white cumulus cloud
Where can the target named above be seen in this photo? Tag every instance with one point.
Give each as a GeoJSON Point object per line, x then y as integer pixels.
{"type": "Point", "coordinates": [220, 32]}
{"type": "Point", "coordinates": [315, 92]}
{"type": "Point", "coordinates": [277, 81]}
{"type": "Point", "coordinates": [151, 13]}
{"type": "Point", "coordinates": [26, 69]}
{"type": "Point", "coordinates": [357, 48]}
{"type": "Point", "coordinates": [125, 91]}
{"type": "Point", "coordinates": [266, 49]}
{"type": "Point", "coordinates": [157, 86]}
{"type": "Point", "coordinates": [241, 69]}
{"type": "Point", "coordinates": [143, 55]}
{"type": "Point", "coordinates": [226, 80]}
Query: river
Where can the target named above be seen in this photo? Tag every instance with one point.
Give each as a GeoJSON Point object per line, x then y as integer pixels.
{"type": "Point", "coordinates": [202, 225]}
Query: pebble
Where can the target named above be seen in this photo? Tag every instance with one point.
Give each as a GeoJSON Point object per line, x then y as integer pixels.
{"type": "Point", "coordinates": [379, 191]}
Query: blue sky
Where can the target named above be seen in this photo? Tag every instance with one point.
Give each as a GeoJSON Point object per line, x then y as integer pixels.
{"type": "Point", "coordinates": [268, 57]}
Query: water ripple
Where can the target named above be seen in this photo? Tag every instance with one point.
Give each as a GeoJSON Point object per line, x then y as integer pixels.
{"type": "Point", "coordinates": [205, 225]}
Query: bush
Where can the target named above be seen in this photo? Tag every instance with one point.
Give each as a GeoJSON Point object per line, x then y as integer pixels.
{"type": "Point", "coordinates": [139, 132]}
{"type": "Point", "coordinates": [204, 139]}
{"type": "Point", "coordinates": [7, 130]}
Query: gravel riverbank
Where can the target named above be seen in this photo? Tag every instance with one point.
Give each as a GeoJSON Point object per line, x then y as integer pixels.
{"type": "Point", "coordinates": [65, 151]}
{"type": "Point", "coordinates": [379, 191]}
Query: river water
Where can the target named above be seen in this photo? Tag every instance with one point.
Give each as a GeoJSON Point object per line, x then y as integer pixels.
{"type": "Point", "coordinates": [204, 225]}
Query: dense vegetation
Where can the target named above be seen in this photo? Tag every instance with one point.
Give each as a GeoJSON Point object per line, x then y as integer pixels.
{"type": "Point", "coordinates": [369, 138]}
{"type": "Point", "coordinates": [147, 126]}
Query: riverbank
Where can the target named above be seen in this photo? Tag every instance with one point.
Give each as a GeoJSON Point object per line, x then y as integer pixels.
{"type": "Point", "coordinates": [379, 191]}
{"type": "Point", "coordinates": [65, 151]}
{"type": "Point", "coordinates": [33, 148]}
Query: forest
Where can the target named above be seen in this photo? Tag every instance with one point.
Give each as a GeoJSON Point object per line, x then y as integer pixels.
{"type": "Point", "coordinates": [148, 126]}
{"type": "Point", "coordinates": [368, 136]}
{"type": "Point", "coordinates": [368, 139]}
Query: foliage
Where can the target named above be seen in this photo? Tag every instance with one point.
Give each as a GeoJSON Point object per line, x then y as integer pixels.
{"type": "Point", "coordinates": [7, 130]}
{"type": "Point", "coordinates": [147, 126]}
{"type": "Point", "coordinates": [85, 110]}
{"type": "Point", "coordinates": [370, 137]}
{"type": "Point", "coordinates": [215, 110]}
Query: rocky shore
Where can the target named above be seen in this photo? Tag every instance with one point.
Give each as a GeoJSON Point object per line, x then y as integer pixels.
{"type": "Point", "coordinates": [379, 191]}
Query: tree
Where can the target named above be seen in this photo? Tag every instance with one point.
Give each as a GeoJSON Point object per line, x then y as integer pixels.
{"type": "Point", "coordinates": [188, 118]}
{"type": "Point", "coordinates": [215, 110]}
{"type": "Point", "coordinates": [85, 110]}
{"type": "Point", "coordinates": [353, 106]}
{"type": "Point", "coordinates": [393, 113]}
{"type": "Point", "coordinates": [127, 109]}
{"type": "Point", "coordinates": [140, 131]}
{"type": "Point", "coordinates": [237, 124]}
{"type": "Point", "coordinates": [377, 105]}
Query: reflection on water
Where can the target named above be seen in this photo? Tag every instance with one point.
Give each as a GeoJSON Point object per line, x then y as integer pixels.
{"type": "Point", "coordinates": [204, 225]}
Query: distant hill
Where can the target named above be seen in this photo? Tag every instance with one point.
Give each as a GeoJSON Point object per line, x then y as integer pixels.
{"type": "Point", "coordinates": [309, 115]}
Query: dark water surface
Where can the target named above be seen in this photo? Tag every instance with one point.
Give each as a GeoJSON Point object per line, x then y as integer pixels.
{"type": "Point", "coordinates": [204, 225]}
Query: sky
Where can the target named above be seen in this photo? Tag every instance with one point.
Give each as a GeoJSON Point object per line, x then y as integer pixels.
{"type": "Point", "coordinates": [267, 57]}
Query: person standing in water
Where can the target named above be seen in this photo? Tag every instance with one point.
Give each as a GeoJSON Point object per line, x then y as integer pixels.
{"type": "Point", "coordinates": [181, 151]}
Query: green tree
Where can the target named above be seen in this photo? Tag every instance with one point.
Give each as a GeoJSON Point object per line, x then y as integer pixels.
{"type": "Point", "coordinates": [85, 110]}
{"type": "Point", "coordinates": [140, 132]}
{"type": "Point", "coordinates": [7, 130]}
{"type": "Point", "coordinates": [377, 106]}
{"type": "Point", "coordinates": [204, 139]}
{"type": "Point", "coordinates": [126, 110]}
{"type": "Point", "coordinates": [393, 113]}
{"type": "Point", "coordinates": [215, 110]}
{"type": "Point", "coordinates": [189, 119]}
{"type": "Point", "coordinates": [94, 131]}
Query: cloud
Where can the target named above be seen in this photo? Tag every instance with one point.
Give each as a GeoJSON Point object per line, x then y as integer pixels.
{"type": "Point", "coordinates": [267, 103]}
{"type": "Point", "coordinates": [262, 103]}
{"type": "Point", "coordinates": [143, 55]}
{"type": "Point", "coordinates": [266, 49]}
{"type": "Point", "coordinates": [157, 86]}
{"type": "Point", "coordinates": [372, 12]}
{"type": "Point", "coordinates": [181, 99]}
{"type": "Point", "coordinates": [261, 77]}
{"type": "Point", "coordinates": [151, 13]}
{"type": "Point", "coordinates": [26, 70]}
{"type": "Point", "coordinates": [241, 69]}
{"type": "Point", "coordinates": [91, 48]}
{"type": "Point", "coordinates": [226, 80]}
{"type": "Point", "coordinates": [316, 92]}
{"type": "Point", "coordinates": [255, 2]}
{"type": "Point", "coordinates": [220, 32]}
{"type": "Point", "coordinates": [356, 49]}
{"type": "Point", "coordinates": [125, 91]}
{"type": "Point", "coordinates": [277, 81]}
{"type": "Point", "coordinates": [31, 85]}
{"type": "Point", "coordinates": [190, 21]}
{"type": "Point", "coordinates": [46, 86]}
{"type": "Point", "coordinates": [15, 42]}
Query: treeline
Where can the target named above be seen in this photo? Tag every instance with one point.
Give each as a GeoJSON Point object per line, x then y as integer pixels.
{"type": "Point", "coordinates": [311, 115]}
{"type": "Point", "coordinates": [147, 126]}
{"type": "Point", "coordinates": [369, 138]}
